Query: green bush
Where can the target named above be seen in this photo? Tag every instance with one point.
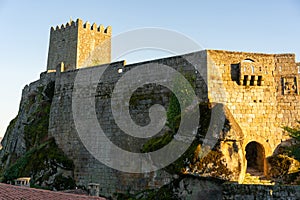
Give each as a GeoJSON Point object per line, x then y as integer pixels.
{"type": "Point", "coordinates": [43, 157]}
{"type": "Point", "coordinates": [294, 150]}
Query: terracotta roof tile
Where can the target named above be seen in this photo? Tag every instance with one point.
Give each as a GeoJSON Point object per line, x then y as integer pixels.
{"type": "Point", "coordinates": [11, 192]}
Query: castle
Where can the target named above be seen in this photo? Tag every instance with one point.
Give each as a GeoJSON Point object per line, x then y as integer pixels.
{"type": "Point", "coordinates": [260, 92]}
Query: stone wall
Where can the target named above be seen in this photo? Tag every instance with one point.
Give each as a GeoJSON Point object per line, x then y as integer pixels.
{"type": "Point", "coordinates": [62, 126]}
{"type": "Point", "coordinates": [79, 45]}
{"type": "Point", "coordinates": [260, 192]}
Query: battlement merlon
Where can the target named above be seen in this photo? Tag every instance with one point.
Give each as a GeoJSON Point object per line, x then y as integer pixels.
{"type": "Point", "coordinates": [80, 25]}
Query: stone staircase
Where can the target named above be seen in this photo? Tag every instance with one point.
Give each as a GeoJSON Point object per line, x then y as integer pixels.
{"type": "Point", "coordinates": [254, 177]}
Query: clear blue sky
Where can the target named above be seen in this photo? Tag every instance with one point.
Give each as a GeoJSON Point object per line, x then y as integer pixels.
{"type": "Point", "coordinates": [269, 26]}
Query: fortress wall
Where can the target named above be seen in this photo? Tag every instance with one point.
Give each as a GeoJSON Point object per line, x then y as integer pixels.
{"type": "Point", "coordinates": [287, 83]}
{"type": "Point", "coordinates": [62, 126]}
{"type": "Point", "coordinates": [238, 191]}
{"type": "Point", "coordinates": [257, 105]}
{"type": "Point", "coordinates": [250, 89]}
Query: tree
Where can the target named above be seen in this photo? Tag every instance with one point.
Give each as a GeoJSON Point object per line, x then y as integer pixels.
{"type": "Point", "coordinates": [294, 150]}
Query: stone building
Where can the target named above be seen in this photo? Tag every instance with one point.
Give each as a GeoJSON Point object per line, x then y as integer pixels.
{"type": "Point", "coordinates": [260, 92]}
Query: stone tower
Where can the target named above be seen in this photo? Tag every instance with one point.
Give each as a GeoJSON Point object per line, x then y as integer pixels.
{"type": "Point", "coordinates": [79, 45]}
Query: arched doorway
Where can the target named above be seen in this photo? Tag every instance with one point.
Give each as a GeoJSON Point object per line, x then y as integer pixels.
{"type": "Point", "coordinates": [255, 155]}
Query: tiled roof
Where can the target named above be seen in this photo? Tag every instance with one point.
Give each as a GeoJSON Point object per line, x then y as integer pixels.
{"type": "Point", "coordinates": [11, 192]}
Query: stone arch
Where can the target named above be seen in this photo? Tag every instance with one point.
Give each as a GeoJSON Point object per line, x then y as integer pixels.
{"type": "Point", "coordinates": [248, 60]}
{"type": "Point", "coordinates": [255, 154]}
{"type": "Point", "coordinates": [263, 150]}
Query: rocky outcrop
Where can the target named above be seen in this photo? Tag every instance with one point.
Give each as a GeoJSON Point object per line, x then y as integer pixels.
{"type": "Point", "coordinates": [13, 143]}
{"type": "Point", "coordinates": [224, 160]}
{"type": "Point", "coordinates": [27, 148]}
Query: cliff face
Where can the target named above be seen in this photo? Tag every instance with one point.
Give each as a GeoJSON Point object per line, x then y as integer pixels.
{"type": "Point", "coordinates": [27, 149]}
{"type": "Point", "coordinates": [14, 141]}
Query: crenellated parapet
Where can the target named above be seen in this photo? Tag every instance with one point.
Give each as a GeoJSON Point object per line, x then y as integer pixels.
{"type": "Point", "coordinates": [80, 25]}
{"type": "Point", "coordinates": [94, 27]}
{"type": "Point", "coordinates": [78, 45]}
